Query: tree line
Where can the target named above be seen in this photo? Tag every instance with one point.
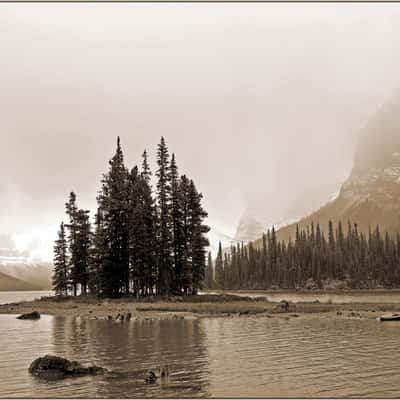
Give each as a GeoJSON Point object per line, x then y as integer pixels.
{"type": "Point", "coordinates": [142, 244]}
{"type": "Point", "coordinates": [311, 260]}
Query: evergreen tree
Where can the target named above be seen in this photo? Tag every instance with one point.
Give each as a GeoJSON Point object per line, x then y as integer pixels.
{"type": "Point", "coordinates": [146, 172]}
{"type": "Point", "coordinates": [209, 275]}
{"type": "Point", "coordinates": [113, 202]}
{"type": "Point", "coordinates": [219, 268]}
{"type": "Point", "coordinates": [71, 210]}
{"type": "Point", "coordinates": [149, 218]}
{"type": "Point", "coordinates": [198, 240]}
{"type": "Point", "coordinates": [80, 272]}
{"type": "Point", "coordinates": [164, 235]}
{"type": "Point", "coordinates": [60, 275]}
{"type": "Point", "coordinates": [177, 225]}
{"type": "Point", "coordinates": [142, 234]}
{"type": "Point", "coordinates": [186, 249]}
{"type": "Point", "coordinates": [97, 254]}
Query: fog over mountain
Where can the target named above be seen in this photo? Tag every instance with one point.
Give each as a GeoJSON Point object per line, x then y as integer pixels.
{"type": "Point", "coordinates": [261, 103]}
{"type": "Point", "coordinates": [371, 194]}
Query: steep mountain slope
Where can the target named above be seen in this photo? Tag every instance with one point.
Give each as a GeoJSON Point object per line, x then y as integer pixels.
{"type": "Point", "coordinates": [9, 283]}
{"type": "Point", "coordinates": [36, 273]}
{"type": "Point", "coordinates": [371, 194]}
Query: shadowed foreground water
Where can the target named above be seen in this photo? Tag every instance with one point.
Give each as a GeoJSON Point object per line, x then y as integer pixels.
{"type": "Point", "coordinates": [224, 357]}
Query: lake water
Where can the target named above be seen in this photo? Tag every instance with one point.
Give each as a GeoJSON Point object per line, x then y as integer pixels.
{"type": "Point", "coordinates": [219, 357]}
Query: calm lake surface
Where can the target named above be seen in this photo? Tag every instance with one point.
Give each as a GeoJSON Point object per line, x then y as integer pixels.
{"type": "Point", "coordinates": [221, 357]}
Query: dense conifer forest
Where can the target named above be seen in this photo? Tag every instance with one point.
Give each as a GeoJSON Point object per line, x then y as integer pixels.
{"type": "Point", "coordinates": [345, 258]}
{"type": "Point", "coordinates": [142, 243]}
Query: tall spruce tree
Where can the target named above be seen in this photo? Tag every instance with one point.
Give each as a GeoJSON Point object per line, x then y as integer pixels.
{"type": "Point", "coordinates": [209, 275]}
{"type": "Point", "coordinates": [198, 240]}
{"type": "Point", "coordinates": [61, 274]}
{"type": "Point", "coordinates": [113, 202]}
{"type": "Point", "coordinates": [97, 254]}
{"type": "Point", "coordinates": [219, 268]}
{"type": "Point", "coordinates": [150, 231]}
{"type": "Point", "coordinates": [80, 272]}
{"type": "Point", "coordinates": [71, 210]}
{"type": "Point", "coordinates": [177, 225]}
{"type": "Point", "coordinates": [164, 234]}
{"type": "Point", "coordinates": [142, 233]}
{"type": "Point", "coordinates": [186, 280]}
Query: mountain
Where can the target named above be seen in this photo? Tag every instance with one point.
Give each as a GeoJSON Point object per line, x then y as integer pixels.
{"type": "Point", "coordinates": [9, 283]}
{"type": "Point", "coordinates": [20, 266]}
{"type": "Point", "coordinates": [371, 194]}
{"type": "Point", "coordinates": [36, 273]}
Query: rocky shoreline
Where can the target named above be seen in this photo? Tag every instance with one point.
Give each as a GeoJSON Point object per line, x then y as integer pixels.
{"type": "Point", "coordinates": [129, 310]}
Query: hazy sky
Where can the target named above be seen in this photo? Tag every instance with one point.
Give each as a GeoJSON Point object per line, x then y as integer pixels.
{"type": "Point", "coordinates": [260, 102]}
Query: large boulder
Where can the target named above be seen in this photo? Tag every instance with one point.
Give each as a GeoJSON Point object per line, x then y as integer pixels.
{"type": "Point", "coordinates": [58, 367]}
{"type": "Point", "coordinates": [31, 315]}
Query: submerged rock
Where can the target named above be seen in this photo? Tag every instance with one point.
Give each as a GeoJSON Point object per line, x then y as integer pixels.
{"type": "Point", "coordinates": [284, 305]}
{"type": "Point", "coordinates": [162, 372]}
{"type": "Point", "coordinates": [31, 315]}
{"type": "Point", "coordinates": [53, 366]}
{"type": "Point", "coordinates": [151, 377]}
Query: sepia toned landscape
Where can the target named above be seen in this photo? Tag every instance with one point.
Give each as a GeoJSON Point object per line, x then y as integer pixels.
{"type": "Point", "coordinates": [199, 200]}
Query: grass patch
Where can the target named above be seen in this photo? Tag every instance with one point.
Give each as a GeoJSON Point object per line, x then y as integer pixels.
{"type": "Point", "coordinates": [208, 308]}
{"type": "Point", "coordinates": [203, 298]}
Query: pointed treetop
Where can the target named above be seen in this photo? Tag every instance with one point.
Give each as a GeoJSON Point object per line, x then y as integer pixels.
{"type": "Point", "coordinates": [118, 158]}
{"type": "Point", "coordinates": [146, 172]}
{"type": "Point", "coordinates": [162, 153]}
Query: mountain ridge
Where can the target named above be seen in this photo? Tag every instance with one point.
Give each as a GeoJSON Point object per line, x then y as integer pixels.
{"type": "Point", "coordinates": [10, 283]}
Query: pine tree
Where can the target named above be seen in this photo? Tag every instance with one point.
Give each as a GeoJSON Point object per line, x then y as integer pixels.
{"type": "Point", "coordinates": [149, 218]}
{"type": "Point", "coordinates": [209, 275]}
{"type": "Point", "coordinates": [142, 234]}
{"type": "Point", "coordinates": [97, 254]}
{"type": "Point", "coordinates": [219, 268]}
{"type": "Point", "coordinates": [60, 275]}
{"type": "Point", "coordinates": [177, 225]}
{"type": "Point", "coordinates": [71, 210]}
{"type": "Point", "coordinates": [113, 202]}
{"type": "Point", "coordinates": [198, 240]}
{"type": "Point", "coordinates": [80, 272]}
{"type": "Point", "coordinates": [186, 249]}
{"type": "Point", "coordinates": [146, 172]}
{"type": "Point", "coordinates": [164, 236]}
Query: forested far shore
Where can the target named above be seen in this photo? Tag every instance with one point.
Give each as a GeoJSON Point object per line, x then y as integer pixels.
{"type": "Point", "coordinates": [348, 259]}
{"type": "Point", "coordinates": [142, 244]}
